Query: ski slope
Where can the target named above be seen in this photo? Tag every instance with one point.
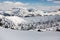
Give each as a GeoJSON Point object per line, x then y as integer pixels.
{"type": "Point", "coordinates": [8, 34]}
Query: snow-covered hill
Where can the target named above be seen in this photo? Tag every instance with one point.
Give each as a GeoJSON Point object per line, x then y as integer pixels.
{"type": "Point", "coordinates": [36, 23]}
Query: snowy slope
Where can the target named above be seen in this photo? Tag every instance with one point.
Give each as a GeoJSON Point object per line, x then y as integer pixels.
{"type": "Point", "coordinates": [16, 19]}
{"type": "Point", "coordinates": [28, 23]}
{"type": "Point", "coordinates": [8, 34]}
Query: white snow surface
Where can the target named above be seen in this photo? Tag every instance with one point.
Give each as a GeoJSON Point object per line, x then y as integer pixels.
{"type": "Point", "coordinates": [1, 16]}
{"type": "Point", "coordinates": [16, 19]}
{"type": "Point", "coordinates": [8, 34]}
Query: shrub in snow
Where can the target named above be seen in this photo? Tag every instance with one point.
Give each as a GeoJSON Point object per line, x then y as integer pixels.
{"type": "Point", "coordinates": [39, 30]}
{"type": "Point", "coordinates": [0, 20]}
{"type": "Point", "coordinates": [58, 9]}
{"type": "Point", "coordinates": [1, 24]}
{"type": "Point", "coordinates": [58, 29]}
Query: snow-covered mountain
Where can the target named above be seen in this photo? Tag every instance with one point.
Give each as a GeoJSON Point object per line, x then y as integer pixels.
{"type": "Point", "coordinates": [43, 23]}
{"type": "Point", "coordinates": [22, 12]}
{"type": "Point", "coordinates": [26, 18]}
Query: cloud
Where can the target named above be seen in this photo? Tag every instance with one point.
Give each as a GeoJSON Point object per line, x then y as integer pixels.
{"type": "Point", "coordinates": [8, 5]}
{"type": "Point", "coordinates": [55, 1]}
{"type": "Point", "coordinates": [7, 2]}
{"type": "Point", "coordinates": [19, 3]}
{"type": "Point", "coordinates": [49, 0]}
{"type": "Point", "coordinates": [15, 3]}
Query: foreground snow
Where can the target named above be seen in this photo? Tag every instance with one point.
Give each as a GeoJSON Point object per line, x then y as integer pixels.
{"type": "Point", "coordinates": [8, 34]}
